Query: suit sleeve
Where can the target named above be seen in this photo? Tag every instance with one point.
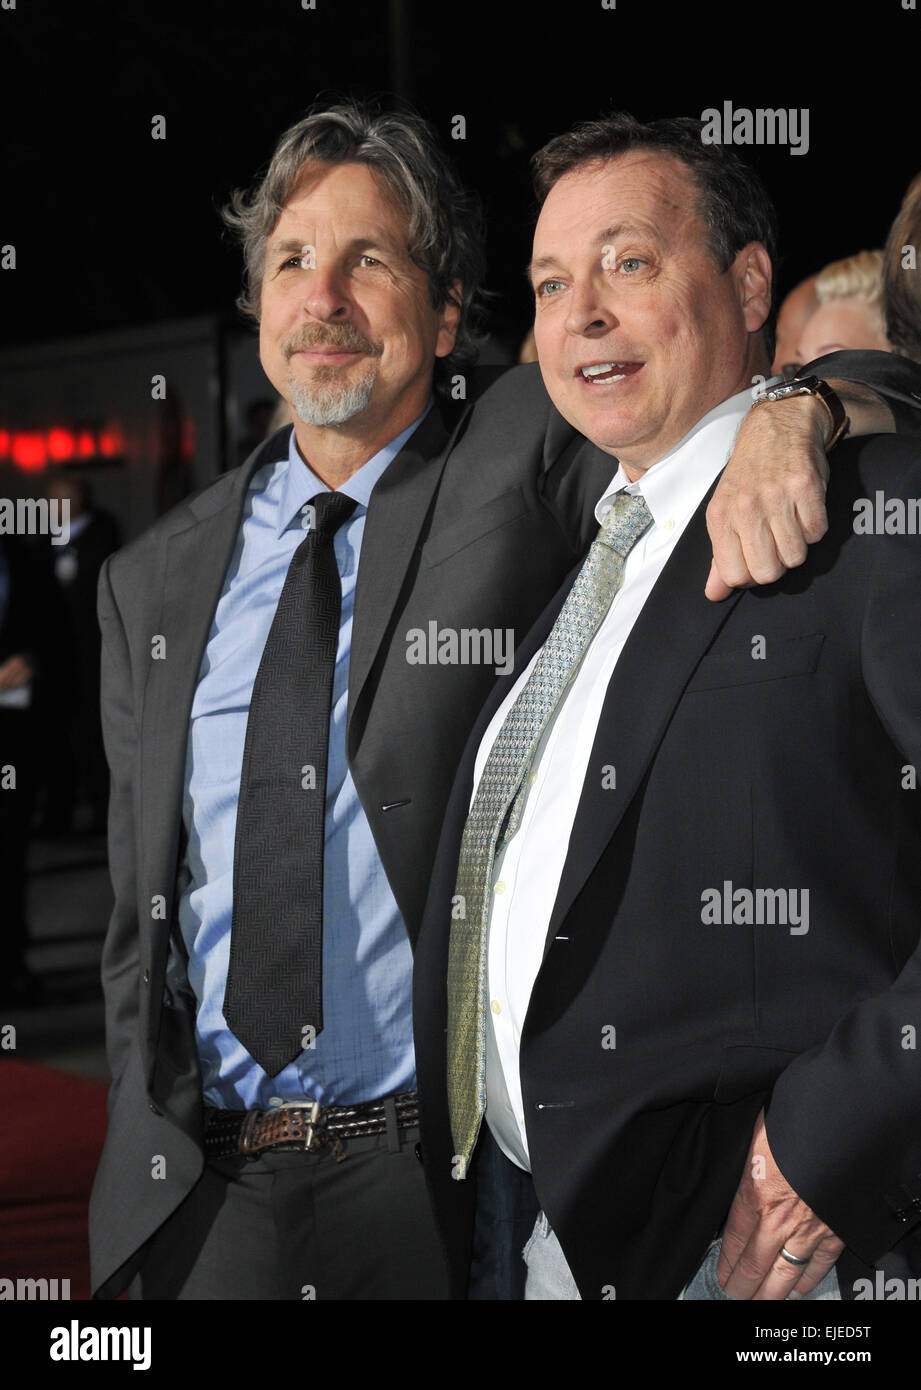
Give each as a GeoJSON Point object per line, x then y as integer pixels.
{"type": "Point", "coordinates": [896, 379]}
{"type": "Point", "coordinates": [121, 952]}
{"type": "Point", "coordinates": [844, 1121]}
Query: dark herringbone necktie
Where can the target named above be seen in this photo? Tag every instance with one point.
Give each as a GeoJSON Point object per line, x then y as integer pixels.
{"type": "Point", "coordinates": [274, 993]}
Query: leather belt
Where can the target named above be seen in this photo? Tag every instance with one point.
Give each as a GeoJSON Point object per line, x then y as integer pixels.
{"type": "Point", "coordinates": [304, 1126]}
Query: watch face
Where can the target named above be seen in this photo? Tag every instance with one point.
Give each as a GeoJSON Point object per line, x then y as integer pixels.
{"type": "Point", "coordinates": [800, 386]}
{"type": "Point", "coordinates": [806, 383]}
{"type": "Point", "coordinates": [780, 393]}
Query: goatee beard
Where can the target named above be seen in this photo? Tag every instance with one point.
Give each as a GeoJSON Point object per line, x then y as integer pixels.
{"type": "Point", "coordinates": [331, 403]}
{"type": "Point", "coordinates": [325, 399]}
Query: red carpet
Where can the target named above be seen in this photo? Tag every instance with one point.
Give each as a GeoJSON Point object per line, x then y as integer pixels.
{"type": "Point", "coordinates": [52, 1125]}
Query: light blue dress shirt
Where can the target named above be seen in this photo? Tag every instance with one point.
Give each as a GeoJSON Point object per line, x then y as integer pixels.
{"type": "Point", "coordinates": [365, 1049]}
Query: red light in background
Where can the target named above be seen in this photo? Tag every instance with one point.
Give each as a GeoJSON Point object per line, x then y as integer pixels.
{"type": "Point", "coordinates": [33, 450]}
{"type": "Point", "coordinates": [61, 445]}
{"type": "Point", "coordinates": [111, 441]}
{"type": "Point", "coordinates": [29, 452]}
{"type": "Point", "coordinates": [187, 440]}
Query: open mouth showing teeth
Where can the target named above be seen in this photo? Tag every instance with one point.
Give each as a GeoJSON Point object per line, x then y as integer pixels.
{"type": "Point", "coordinates": [604, 372]}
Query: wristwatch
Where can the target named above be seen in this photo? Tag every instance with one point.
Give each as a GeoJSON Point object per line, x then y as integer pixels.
{"type": "Point", "coordinates": [813, 386]}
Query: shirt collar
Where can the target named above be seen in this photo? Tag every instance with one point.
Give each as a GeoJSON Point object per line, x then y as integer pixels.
{"type": "Point", "coordinates": [301, 483]}
{"type": "Point", "coordinates": [674, 486]}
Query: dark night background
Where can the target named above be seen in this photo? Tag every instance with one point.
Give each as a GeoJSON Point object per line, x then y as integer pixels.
{"type": "Point", "coordinates": [115, 229]}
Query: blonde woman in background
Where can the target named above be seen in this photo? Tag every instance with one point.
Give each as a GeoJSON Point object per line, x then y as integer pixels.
{"type": "Point", "coordinates": [849, 313]}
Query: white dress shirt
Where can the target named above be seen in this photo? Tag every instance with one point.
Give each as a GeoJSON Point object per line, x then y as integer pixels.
{"type": "Point", "coordinates": [527, 872]}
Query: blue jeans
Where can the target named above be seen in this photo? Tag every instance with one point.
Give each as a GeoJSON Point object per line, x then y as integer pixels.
{"type": "Point", "coordinates": [506, 1205]}
{"type": "Point", "coordinates": [549, 1276]}
{"type": "Point", "coordinates": [705, 1285]}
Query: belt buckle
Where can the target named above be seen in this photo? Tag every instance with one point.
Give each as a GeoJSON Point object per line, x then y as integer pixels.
{"type": "Point", "coordinates": [311, 1141]}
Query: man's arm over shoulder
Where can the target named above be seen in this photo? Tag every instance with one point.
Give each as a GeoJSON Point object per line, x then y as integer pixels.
{"type": "Point", "coordinates": [769, 506]}
{"type": "Point", "coordinates": [510, 408]}
{"type": "Point", "coordinates": [895, 382]}
{"type": "Point", "coordinates": [515, 421]}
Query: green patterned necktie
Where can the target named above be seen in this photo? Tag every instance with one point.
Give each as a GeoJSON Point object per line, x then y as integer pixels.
{"type": "Point", "coordinates": [499, 801]}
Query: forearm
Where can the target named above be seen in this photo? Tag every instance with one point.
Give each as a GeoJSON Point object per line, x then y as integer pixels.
{"type": "Point", "coordinates": [867, 411]}
{"type": "Point", "coordinates": [806, 421]}
{"type": "Point", "coordinates": [894, 381]}
{"type": "Point", "coordinates": [770, 502]}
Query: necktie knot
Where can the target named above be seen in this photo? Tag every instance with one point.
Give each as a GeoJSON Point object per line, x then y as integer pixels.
{"type": "Point", "coordinates": [625, 521]}
{"type": "Point", "coordinates": [331, 510]}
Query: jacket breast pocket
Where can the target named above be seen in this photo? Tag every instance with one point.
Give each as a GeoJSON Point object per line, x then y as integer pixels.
{"type": "Point", "coordinates": [473, 526]}
{"type": "Point", "coordinates": [764, 659]}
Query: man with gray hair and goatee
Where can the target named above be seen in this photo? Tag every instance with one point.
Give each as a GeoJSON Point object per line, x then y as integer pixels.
{"type": "Point", "coordinates": [280, 767]}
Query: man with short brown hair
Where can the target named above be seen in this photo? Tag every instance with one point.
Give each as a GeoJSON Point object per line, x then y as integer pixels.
{"type": "Point", "coordinates": [677, 886]}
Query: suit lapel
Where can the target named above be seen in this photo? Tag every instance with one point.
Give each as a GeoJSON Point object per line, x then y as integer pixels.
{"type": "Point", "coordinates": [396, 513]}
{"type": "Point", "coordinates": [196, 562]}
{"type": "Point", "coordinates": [676, 626]}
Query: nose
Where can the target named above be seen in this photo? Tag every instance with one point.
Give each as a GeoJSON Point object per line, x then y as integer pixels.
{"type": "Point", "coordinates": [324, 296]}
{"type": "Point", "coordinates": [589, 314]}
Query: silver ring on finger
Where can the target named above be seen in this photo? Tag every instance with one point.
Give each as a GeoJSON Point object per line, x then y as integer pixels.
{"type": "Point", "coordinates": [791, 1259]}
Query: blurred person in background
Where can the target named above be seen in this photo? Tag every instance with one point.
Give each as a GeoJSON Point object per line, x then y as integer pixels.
{"type": "Point", "coordinates": [902, 278]}
{"type": "Point", "coordinates": [795, 312]}
{"type": "Point", "coordinates": [77, 770]}
{"type": "Point", "coordinates": [30, 645]}
{"type": "Point", "coordinates": [849, 312]}
{"type": "Point", "coordinates": [260, 423]}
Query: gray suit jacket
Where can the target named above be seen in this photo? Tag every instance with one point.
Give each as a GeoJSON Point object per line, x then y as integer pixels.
{"type": "Point", "coordinates": [473, 525]}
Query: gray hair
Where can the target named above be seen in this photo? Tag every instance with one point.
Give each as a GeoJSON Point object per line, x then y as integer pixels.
{"type": "Point", "coordinates": [445, 220]}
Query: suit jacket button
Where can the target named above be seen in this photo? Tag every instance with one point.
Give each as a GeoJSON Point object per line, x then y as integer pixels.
{"type": "Point", "coordinates": [417, 1149]}
{"type": "Point", "coordinates": [154, 1108]}
{"type": "Point", "coordinates": [147, 977]}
